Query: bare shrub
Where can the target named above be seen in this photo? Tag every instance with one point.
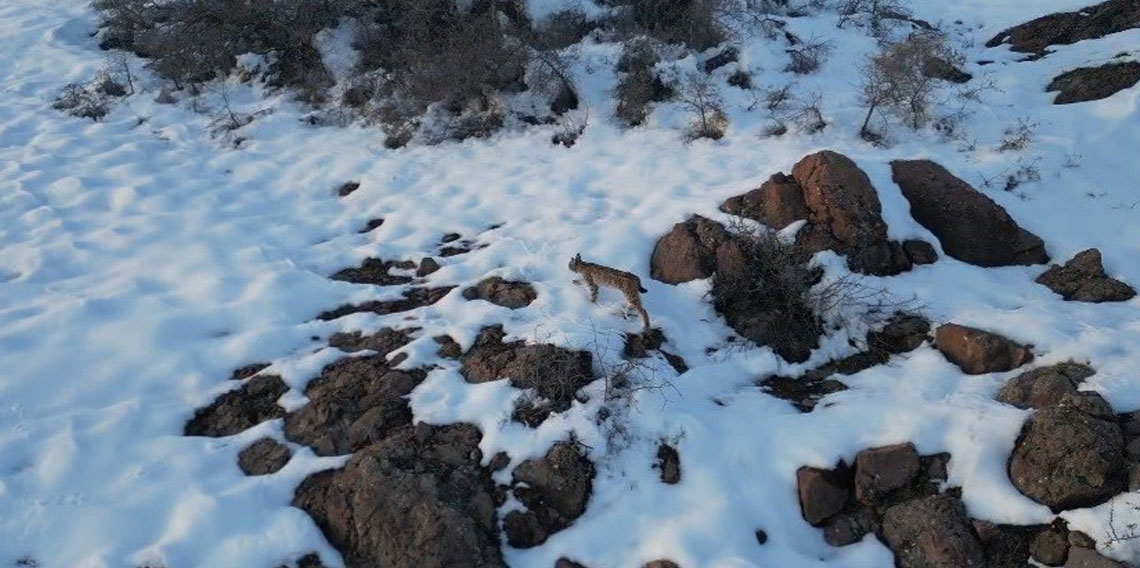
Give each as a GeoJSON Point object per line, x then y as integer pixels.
{"type": "Point", "coordinates": [1018, 136]}
{"type": "Point", "coordinates": [895, 80]}
{"type": "Point", "coordinates": [879, 16]}
{"type": "Point", "coordinates": [639, 84]}
{"type": "Point", "coordinates": [809, 113]}
{"type": "Point", "coordinates": [700, 94]}
{"type": "Point", "coordinates": [81, 101]}
{"type": "Point", "coordinates": [740, 79]}
{"type": "Point", "coordinates": [699, 24]}
{"type": "Point", "coordinates": [808, 56]}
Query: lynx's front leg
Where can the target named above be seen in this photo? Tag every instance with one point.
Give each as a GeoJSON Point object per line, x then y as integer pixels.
{"type": "Point", "coordinates": [593, 289]}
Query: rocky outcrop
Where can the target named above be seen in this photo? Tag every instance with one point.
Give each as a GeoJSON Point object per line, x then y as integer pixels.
{"type": "Point", "coordinates": [970, 226]}
{"type": "Point", "coordinates": [842, 210]}
{"type": "Point", "coordinates": [383, 341]}
{"type": "Point", "coordinates": [978, 352]}
{"type": "Point", "coordinates": [555, 373]}
{"type": "Point", "coordinates": [264, 457]}
{"type": "Point", "coordinates": [555, 490]}
{"type": "Point", "coordinates": [879, 471]}
{"type": "Point", "coordinates": [354, 402]}
{"type": "Point", "coordinates": [932, 532]}
{"type": "Point", "coordinates": [1094, 83]}
{"type": "Point", "coordinates": [241, 409]}
{"type": "Point", "coordinates": [412, 298]}
{"type": "Point", "coordinates": [1070, 455]}
{"type": "Point", "coordinates": [1065, 28]}
{"type": "Point", "coordinates": [375, 271]}
{"type": "Point", "coordinates": [1045, 386]}
{"type": "Point", "coordinates": [689, 251]}
{"type": "Point", "coordinates": [506, 293]}
{"type": "Point", "coordinates": [1083, 279]}
{"type": "Point", "coordinates": [824, 493]}
{"type": "Point", "coordinates": [417, 499]}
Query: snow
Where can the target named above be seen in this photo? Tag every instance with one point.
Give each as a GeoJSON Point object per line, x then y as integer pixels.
{"type": "Point", "coordinates": [143, 259]}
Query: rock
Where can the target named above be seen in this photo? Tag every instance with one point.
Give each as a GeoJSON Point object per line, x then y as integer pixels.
{"type": "Point", "coordinates": [427, 266]}
{"type": "Point", "coordinates": [978, 352]}
{"type": "Point", "coordinates": [264, 457]}
{"type": "Point", "coordinates": [662, 564]}
{"type": "Point", "coordinates": [878, 471]}
{"type": "Point", "coordinates": [555, 373]}
{"type": "Point", "coordinates": [920, 252]}
{"type": "Point", "coordinates": [1090, 403]}
{"type": "Point", "coordinates": [243, 373]}
{"type": "Point", "coordinates": [1067, 459]}
{"type": "Point", "coordinates": [689, 251]}
{"type": "Point", "coordinates": [932, 532]}
{"type": "Point", "coordinates": [726, 56]}
{"type": "Point", "coordinates": [939, 68]}
{"type": "Point", "coordinates": [1044, 386]}
{"type": "Point", "coordinates": [506, 293]}
{"type": "Point", "coordinates": [417, 499]}
{"type": "Point", "coordinates": [1066, 28]}
{"type": "Point", "coordinates": [412, 299]}
{"type": "Point", "coordinates": [638, 345]}
{"type": "Point", "coordinates": [383, 342]}
{"type": "Point", "coordinates": [1089, 558]}
{"type": "Point", "coordinates": [241, 409]}
{"type": "Point", "coordinates": [347, 188]}
{"type": "Point", "coordinates": [555, 489]}
{"type": "Point", "coordinates": [1051, 546]}
{"type": "Point", "coordinates": [804, 393]}
{"type": "Point", "coordinates": [1130, 425]}
{"type": "Point", "coordinates": [567, 563]}
{"type": "Point", "coordinates": [777, 203]}
{"type": "Point", "coordinates": [761, 537]}
{"type": "Point", "coordinates": [354, 402]}
{"type": "Point", "coordinates": [1007, 546]}
{"type": "Point", "coordinates": [1094, 83]}
{"type": "Point", "coordinates": [849, 528]}
{"type": "Point", "coordinates": [1083, 279]}
{"type": "Point", "coordinates": [449, 348]}
{"type": "Point", "coordinates": [903, 333]}
{"type": "Point", "coordinates": [823, 493]}
{"type": "Point", "coordinates": [371, 225]}
{"type": "Point", "coordinates": [669, 464]}
{"type": "Point", "coordinates": [1081, 540]}
{"type": "Point", "coordinates": [373, 271]}
{"type": "Point", "coordinates": [970, 226]}
{"type": "Point", "coordinates": [841, 200]}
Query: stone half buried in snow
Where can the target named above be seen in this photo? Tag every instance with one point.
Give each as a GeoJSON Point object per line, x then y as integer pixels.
{"type": "Point", "coordinates": [555, 490]}
{"type": "Point", "coordinates": [1094, 83]}
{"type": "Point", "coordinates": [1070, 455]}
{"type": "Point", "coordinates": [1083, 279]}
{"type": "Point", "coordinates": [239, 410]}
{"type": "Point", "coordinates": [688, 251]}
{"type": "Point", "coordinates": [417, 499]}
{"type": "Point", "coordinates": [977, 352]}
{"type": "Point", "coordinates": [506, 293]}
{"type": "Point", "coordinates": [1044, 386]}
{"type": "Point", "coordinates": [970, 226]}
{"type": "Point", "coordinates": [932, 532]}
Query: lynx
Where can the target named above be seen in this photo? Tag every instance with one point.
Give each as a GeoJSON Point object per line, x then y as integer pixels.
{"type": "Point", "coordinates": [625, 282]}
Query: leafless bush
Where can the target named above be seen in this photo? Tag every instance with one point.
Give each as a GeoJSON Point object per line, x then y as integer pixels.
{"type": "Point", "coordinates": [880, 16]}
{"type": "Point", "coordinates": [699, 24]}
{"type": "Point", "coordinates": [809, 113]}
{"type": "Point", "coordinates": [93, 99]}
{"type": "Point", "coordinates": [1018, 136]}
{"type": "Point", "coordinates": [740, 79]}
{"type": "Point", "coordinates": [808, 56]}
{"type": "Point", "coordinates": [639, 84]}
{"type": "Point", "coordinates": [895, 80]}
{"type": "Point", "coordinates": [1024, 171]}
{"type": "Point", "coordinates": [700, 94]}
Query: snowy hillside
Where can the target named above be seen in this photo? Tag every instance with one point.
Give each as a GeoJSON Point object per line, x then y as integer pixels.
{"type": "Point", "coordinates": [147, 255]}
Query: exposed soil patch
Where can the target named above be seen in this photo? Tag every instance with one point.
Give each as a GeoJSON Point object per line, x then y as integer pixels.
{"type": "Point", "coordinates": [1094, 83]}
{"type": "Point", "coordinates": [1065, 28]}
{"type": "Point", "coordinates": [376, 271]}
{"type": "Point", "coordinates": [413, 298]}
{"type": "Point", "coordinates": [241, 409]}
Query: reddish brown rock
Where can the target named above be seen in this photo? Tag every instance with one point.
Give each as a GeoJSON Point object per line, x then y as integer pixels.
{"type": "Point", "coordinates": [879, 471]}
{"type": "Point", "coordinates": [823, 493]}
{"type": "Point", "coordinates": [777, 203]}
{"type": "Point", "coordinates": [1083, 279]}
{"type": "Point", "coordinates": [689, 251]}
{"type": "Point", "coordinates": [264, 457]}
{"type": "Point", "coordinates": [970, 226]}
{"type": "Point", "coordinates": [978, 352]}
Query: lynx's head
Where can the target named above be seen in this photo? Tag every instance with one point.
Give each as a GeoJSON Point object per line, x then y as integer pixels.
{"type": "Point", "coordinates": [576, 263]}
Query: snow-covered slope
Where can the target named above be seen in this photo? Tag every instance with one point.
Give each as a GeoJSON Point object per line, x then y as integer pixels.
{"type": "Point", "coordinates": [143, 259]}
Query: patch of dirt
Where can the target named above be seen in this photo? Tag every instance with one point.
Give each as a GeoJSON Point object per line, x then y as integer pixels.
{"type": "Point", "coordinates": [413, 298]}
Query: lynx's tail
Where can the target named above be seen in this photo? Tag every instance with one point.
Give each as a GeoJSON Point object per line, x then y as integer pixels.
{"type": "Point", "coordinates": [642, 290]}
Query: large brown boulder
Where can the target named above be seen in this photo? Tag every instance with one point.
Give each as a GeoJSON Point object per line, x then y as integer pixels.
{"type": "Point", "coordinates": [1044, 386]}
{"type": "Point", "coordinates": [417, 499]}
{"type": "Point", "coordinates": [354, 402]}
{"type": "Point", "coordinates": [1065, 28]}
{"type": "Point", "coordinates": [241, 409]}
{"type": "Point", "coordinates": [555, 373]}
{"type": "Point", "coordinates": [932, 532]}
{"type": "Point", "coordinates": [978, 352]}
{"type": "Point", "coordinates": [555, 489]}
{"type": "Point", "coordinates": [1083, 279]}
{"type": "Point", "coordinates": [777, 203]}
{"type": "Point", "coordinates": [879, 471]}
{"type": "Point", "coordinates": [971, 227]}
{"type": "Point", "coordinates": [841, 201]}
{"type": "Point", "coordinates": [1070, 455]}
{"type": "Point", "coordinates": [688, 251]}
{"type": "Point", "coordinates": [824, 493]}
{"type": "Point", "coordinates": [1089, 558]}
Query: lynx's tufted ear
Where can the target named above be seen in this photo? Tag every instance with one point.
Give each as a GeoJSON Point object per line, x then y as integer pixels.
{"type": "Point", "coordinates": [578, 257]}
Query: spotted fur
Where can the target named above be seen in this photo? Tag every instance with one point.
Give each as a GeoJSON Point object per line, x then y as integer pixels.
{"type": "Point", "coordinates": [627, 283]}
